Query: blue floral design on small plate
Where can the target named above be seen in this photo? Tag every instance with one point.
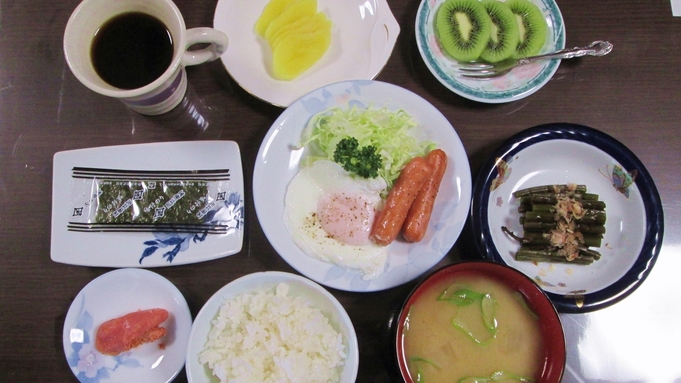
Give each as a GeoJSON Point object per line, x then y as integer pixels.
{"type": "Point", "coordinates": [112, 295]}
{"type": "Point", "coordinates": [89, 365]}
{"type": "Point", "coordinates": [230, 213]}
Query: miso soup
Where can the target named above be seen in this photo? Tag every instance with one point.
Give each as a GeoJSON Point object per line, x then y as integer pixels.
{"type": "Point", "coordinates": [470, 326]}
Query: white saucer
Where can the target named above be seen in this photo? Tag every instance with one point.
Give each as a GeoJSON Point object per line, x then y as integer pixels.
{"type": "Point", "coordinates": [364, 33]}
{"type": "Point", "coordinates": [115, 294]}
{"type": "Point", "coordinates": [519, 83]}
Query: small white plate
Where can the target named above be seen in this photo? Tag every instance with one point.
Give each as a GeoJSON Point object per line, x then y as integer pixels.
{"type": "Point", "coordinates": [364, 33]}
{"type": "Point", "coordinates": [107, 249]}
{"type": "Point", "coordinates": [568, 153]}
{"type": "Point", "coordinates": [277, 163]}
{"type": "Point", "coordinates": [115, 294]}
{"type": "Point", "coordinates": [519, 83]}
{"type": "Point", "coordinates": [264, 281]}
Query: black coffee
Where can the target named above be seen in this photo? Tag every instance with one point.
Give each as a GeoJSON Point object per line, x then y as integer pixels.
{"type": "Point", "coordinates": [132, 50]}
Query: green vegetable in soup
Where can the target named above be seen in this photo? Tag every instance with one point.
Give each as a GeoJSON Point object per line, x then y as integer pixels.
{"type": "Point", "coordinates": [489, 306]}
{"type": "Point", "coordinates": [419, 374]}
{"type": "Point", "coordinates": [475, 337]}
{"type": "Point", "coordinates": [465, 328]}
{"type": "Point", "coordinates": [521, 299]}
{"type": "Point", "coordinates": [460, 295]}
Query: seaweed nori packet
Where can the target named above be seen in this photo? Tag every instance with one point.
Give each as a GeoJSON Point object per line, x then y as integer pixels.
{"type": "Point", "coordinates": [154, 201]}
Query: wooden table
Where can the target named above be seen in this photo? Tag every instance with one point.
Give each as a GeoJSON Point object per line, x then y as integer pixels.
{"type": "Point", "coordinates": [631, 94]}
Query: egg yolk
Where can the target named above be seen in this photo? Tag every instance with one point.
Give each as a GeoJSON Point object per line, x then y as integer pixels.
{"type": "Point", "coordinates": [346, 217]}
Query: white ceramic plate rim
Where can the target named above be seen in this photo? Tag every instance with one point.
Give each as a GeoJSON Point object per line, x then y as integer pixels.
{"type": "Point", "coordinates": [518, 84]}
{"type": "Point", "coordinates": [126, 249]}
{"type": "Point", "coordinates": [277, 163]}
{"type": "Point", "coordinates": [309, 290]}
{"type": "Point", "coordinates": [363, 36]}
{"type": "Point", "coordinates": [112, 295]}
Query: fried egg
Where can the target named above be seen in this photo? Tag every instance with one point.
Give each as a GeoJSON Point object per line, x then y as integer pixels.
{"type": "Point", "coordinates": [329, 214]}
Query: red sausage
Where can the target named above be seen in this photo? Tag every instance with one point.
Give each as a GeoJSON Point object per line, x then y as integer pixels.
{"type": "Point", "coordinates": [389, 220]}
{"type": "Point", "coordinates": [416, 223]}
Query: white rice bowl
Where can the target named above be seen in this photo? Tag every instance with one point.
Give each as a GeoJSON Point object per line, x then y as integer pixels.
{"type": "Point", "coordinates": [272, 327]}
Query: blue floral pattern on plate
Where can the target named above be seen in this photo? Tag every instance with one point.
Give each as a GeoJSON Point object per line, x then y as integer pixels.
{"type": "Point", "coordinates": [278, 162]}
{"type": "Point", "coordinates": [231, 214]}
{"type": "Point", "coordinates": [91, 365]}
{"type": "Point", "coordinates": [112, 295]}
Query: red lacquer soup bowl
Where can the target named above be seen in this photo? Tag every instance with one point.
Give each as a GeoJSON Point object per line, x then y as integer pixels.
{"type": "Point", "coordinates": [484, 319]}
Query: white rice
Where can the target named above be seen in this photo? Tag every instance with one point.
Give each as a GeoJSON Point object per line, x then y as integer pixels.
{"type": "Point", "coordinates": [269, 336]}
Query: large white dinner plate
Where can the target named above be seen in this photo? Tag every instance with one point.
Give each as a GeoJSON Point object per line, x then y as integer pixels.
{"type": "Point", "coordinates": [519, 83]}
{"type": "Point", "coordinates": [568, 153]}
{"type": "Point", "coordinates": [364, 33]}
{"type": "Point", "coordinates": [115, 294]}
{"type": "Point", "coordinates": [118, 249]}
{"type": "Point", "coordinates": [278, 162]}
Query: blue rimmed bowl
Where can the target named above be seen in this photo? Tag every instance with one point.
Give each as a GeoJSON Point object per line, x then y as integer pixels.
{"type": "Point", "coordinates": [568, 153]}
{"type": "Point", "coordinates": [552, 349]}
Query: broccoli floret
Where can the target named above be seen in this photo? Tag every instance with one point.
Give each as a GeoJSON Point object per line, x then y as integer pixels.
{"type": "Point", "coordinates": [364, 161]}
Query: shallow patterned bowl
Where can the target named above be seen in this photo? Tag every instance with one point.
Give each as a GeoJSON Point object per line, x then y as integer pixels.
{"type": "Point", "coordinates": [519, 83]}
{"type": "Point", "coordinates": [553, 354]}
{"type": "Point", "coordinates": [569, 153]}
{"type": "Point", "coordinates": [115, 294]}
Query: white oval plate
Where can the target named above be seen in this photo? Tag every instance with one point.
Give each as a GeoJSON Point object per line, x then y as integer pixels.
{"type": "Point", "coordinates": [519, 83]}
{"type": "Point", "coordinates": [264, 281]}
{"type": "Point", "coordinates": [115, 294]}
{"type": "Point", "coordinates": [559, 154]}
{"type": "Point", "coordinates": [277, 163]}
{"type": "Point", "coordinates": [364, 33]}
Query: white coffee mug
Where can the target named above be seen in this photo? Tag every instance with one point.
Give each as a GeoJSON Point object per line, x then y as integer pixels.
{"type": "Point", "coordinates": [162, 94]}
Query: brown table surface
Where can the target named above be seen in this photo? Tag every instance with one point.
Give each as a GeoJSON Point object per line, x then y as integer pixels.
{"type": "Point", "coordinates": [631, 94]}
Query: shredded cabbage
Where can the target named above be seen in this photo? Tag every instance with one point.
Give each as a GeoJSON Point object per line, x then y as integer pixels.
{"type": "Point", "coordinates": [390, 132]}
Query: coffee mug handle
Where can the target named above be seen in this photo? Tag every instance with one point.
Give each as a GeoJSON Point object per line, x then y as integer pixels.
{"type": "Point", "coordinates": [218, 45]}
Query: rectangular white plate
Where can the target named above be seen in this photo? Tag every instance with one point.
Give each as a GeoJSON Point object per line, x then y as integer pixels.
{"type": "Point", "coordinates": [109, 249]}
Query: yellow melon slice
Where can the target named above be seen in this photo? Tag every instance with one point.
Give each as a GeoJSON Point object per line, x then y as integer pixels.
{"type": "Point", "coordinates": [297, 52]}
{"type": "Point", "coordinates": [271, 11]}
{"type": "Point", "coordinates": [293, 12]}
{"type": "Point", "coordinates": [300, 22]}
{"type": "Point", "coordinates": [302, 26]}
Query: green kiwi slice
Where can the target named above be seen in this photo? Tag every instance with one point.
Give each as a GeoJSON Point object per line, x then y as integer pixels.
{"type": "Point", "coordinates": [532, 27]}
{"type": "Point", "coordinates": [462, 27]}
{"type": "Point", "coordinates": [504, 33]}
